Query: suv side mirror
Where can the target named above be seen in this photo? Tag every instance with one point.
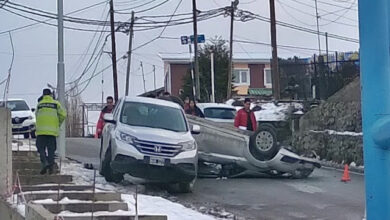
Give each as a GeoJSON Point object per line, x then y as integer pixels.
{"type": "Point", "coordinates": [109, 118]}
{"type": "Point", "coordinates": [195, 129]}
{"type": "Point", "coordinates": [33, 109]}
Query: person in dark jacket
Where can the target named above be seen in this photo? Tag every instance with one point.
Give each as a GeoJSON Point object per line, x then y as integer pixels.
{"type": "Point", "coordinates": [107, 109]}
{"type": "Point", "coordinates": [245, 118]}
{"type": "Point", "coordinates": [194, 110]}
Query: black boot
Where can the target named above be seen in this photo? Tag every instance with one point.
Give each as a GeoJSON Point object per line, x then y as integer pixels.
{"type": "Point", "coordinates": [51, 169]}
{"type": "Point", "coordinates": [43, 170]}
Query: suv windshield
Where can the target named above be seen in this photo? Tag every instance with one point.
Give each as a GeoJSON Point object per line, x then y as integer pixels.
{"type": "Point", "coordinates": [221, 113]}
{"type": "Point", "coordinates": [154, 116]}
{"type": "Point", "coordinates": [16, 105]}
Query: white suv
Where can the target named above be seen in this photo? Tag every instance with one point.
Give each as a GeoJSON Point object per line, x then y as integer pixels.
{"type": "Point", "coordinates": [150, 139]}
{"type": "Point", "coordinates": [23, 118]}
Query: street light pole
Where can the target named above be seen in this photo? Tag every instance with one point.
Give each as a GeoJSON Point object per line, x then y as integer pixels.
{"type": "Point", "coordinates": [61, 75]}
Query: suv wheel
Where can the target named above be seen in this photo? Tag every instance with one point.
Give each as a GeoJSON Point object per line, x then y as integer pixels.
{"type": "Point", "coordinates": [263, 144]}
{"type": "Point", "coordinates": [106, 170]}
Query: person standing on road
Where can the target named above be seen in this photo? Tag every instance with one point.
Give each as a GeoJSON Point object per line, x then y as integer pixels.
{"type": "Point", "coordinates": [194, 110]}
{"type": "Point", "coordinates": [107, 109]}
{"type": "Point", "coordinates": [49, 117]}
{"type": "Point", "coordinates": [245, 118]}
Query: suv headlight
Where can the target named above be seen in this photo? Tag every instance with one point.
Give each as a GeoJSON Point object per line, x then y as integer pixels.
{"type": "Point", "coordinates": [188, 145]}
{"type": "Point", "coordinates": [125, 137]}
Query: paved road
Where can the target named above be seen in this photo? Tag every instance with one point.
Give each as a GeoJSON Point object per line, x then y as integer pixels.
{"type": "Point", "coordinates": [321, 196]}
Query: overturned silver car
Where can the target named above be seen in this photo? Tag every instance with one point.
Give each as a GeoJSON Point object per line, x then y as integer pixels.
{"type": "Point", "coordinates": [240, 151]}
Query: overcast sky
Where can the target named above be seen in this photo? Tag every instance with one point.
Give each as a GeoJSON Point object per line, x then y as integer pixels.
{"type": "Point", "coordinates": [35, 62]}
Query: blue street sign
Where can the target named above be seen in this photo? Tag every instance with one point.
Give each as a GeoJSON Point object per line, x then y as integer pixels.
{"type": "Point", "coordinates": [184, 39]}
{"type": "Point", "coordinates": [201, 38]}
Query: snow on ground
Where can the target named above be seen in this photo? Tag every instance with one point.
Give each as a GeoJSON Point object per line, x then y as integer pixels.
{"type": "Point", "coordinates": [23, 145]}
{"type": "Point", "coordinates": [271, 111]}
{"type": "Point", "coordinates": [146, 204]}
{"type": "Point", "coordinates": [342, 133]}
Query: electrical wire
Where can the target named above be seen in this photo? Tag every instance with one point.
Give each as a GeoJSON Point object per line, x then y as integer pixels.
{"type": "Point", "coordinates": [152, 40]}
{"type": "Point", "coordinates": [145, 10]}
{"type": "Point", "coordinates": [283, 4]}
{"type": "Point", "coordinates": [44, 22]}
{"type": "Point", "coordinates": [299, 28]}
{"type": "Point", "coordinates": [138, 6]}
{"type": "Point", "coordinates": [36, 23]}
{"type": "Point", "coordinates": [81, 60]}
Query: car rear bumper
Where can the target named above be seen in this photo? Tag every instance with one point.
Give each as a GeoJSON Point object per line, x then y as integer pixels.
{"type": "Point", "coordinates": [169, 173]}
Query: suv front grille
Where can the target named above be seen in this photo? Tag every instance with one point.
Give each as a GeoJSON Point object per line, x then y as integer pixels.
{"type": "Point", "coordinates": [17, 120]}
{"type": "Point", "coordinates": [157, 149]}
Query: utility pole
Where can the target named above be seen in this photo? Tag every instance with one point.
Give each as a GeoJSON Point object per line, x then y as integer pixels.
{"type": "Point", "coordinates": [327, 62]}
{"type": "Point", "coordinates": [143, 76]}
{"type": "Point", "coordinates": [113, 46]}
{"type": "Point", "coordinates": [318, 29]}
{"type": "Point", "coordinates": [212, 77]}
{"type": "Point", "coordinates": [274, 64]}
{"type": "Point", "coordinates": [195, 24]}
{"type": "Point", "coordinates": [154, 77]}
{"type": "Point", "coordinates": [230, 68]}
{"type": "Point", "coordinates": [61, 75]}
{"type": "Point", "coordinates": [131, 34]}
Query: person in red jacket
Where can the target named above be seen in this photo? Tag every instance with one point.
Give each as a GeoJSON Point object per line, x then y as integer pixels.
{"type": "Point", "coordinates": [245, 118]}
{"type": "Point", "coordinates": [108, 109]}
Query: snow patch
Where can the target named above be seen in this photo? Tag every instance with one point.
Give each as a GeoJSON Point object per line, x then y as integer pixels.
{"type": "Point", "coordinates": [342, 133]}
{"type": "Point", "coordinates": [305, 188]}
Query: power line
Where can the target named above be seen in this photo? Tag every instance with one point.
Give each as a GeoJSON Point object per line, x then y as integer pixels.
{"type": "Point", "coordinates": [145, 10]}
{"type": "Point", "coordinates": [44, 22]}
{"type": "Point", "coordinates": [138, 6]}
{"type": "Point", "coordinates": [298, 28]}
{"type": "Point", "coordinates": [144, 44]}
{"type": "Point", "coordinates": [36, 23]}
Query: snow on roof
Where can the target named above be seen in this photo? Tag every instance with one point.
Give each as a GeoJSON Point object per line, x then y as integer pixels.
{"type": "Point", "coordinates": [214, 105]}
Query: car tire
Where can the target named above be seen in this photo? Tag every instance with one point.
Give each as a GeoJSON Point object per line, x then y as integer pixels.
{"type": "Point", "coordinates": [107, 171]}
{"type": "Point", "coordinates": [33, 135]}
{"type": "Point", "coordinates": [26, 135]}
{"type": "Point", "coordinates": [181, 187]}
{"type": "Point", "coordinates": [263, 144]}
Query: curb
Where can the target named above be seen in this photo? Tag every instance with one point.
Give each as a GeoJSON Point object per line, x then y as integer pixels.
{"type": "Point", "coordinates": [337, 166]}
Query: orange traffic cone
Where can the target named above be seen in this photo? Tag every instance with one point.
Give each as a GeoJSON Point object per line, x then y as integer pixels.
{"type": "Point", "coordinates": [346, 177]}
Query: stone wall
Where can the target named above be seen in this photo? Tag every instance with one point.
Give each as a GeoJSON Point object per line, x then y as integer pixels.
{"type": "Point", "coordinates": [341, 113]}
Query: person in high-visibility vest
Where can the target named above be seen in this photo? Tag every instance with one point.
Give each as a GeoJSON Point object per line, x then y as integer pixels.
{"type": "Point", "coordinates": [49, 117]}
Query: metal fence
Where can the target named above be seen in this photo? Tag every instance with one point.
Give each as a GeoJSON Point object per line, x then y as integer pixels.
{"type": "Point", "coordinates": [318, 78]}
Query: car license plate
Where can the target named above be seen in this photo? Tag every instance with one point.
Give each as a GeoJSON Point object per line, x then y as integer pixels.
{"type": "Point", "coordinates": [157, 161]}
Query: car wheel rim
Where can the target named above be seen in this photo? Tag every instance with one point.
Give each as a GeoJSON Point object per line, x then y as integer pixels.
{"type": "Point", "coordinates": [264, 141]}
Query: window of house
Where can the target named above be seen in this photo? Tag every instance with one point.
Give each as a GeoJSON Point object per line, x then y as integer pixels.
{"type": "Point", "coordinates": [241, 76]}
{"type": "Point", "coordinates": [267, 78]}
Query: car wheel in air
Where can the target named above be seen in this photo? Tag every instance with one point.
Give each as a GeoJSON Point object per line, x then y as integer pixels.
{"type": "Point", "coordinates": [263, 144]}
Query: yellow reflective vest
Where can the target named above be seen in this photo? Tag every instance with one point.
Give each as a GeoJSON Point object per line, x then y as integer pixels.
{"type": "Point", "coordinates": [49, 116]}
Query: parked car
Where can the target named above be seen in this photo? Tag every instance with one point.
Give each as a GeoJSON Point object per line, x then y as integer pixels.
{"type": "Point", "coordinates": [218, 112]}
{"type": "Point", "coordinates": [23, 118]}
{"type": "Point", "coordinates": [150, 139]}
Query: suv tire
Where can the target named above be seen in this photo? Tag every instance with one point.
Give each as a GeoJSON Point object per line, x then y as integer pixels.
{"type": "Point", "coordinates": [107, 171]}
{"type": "Point", "coordinates": [263, 144]}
